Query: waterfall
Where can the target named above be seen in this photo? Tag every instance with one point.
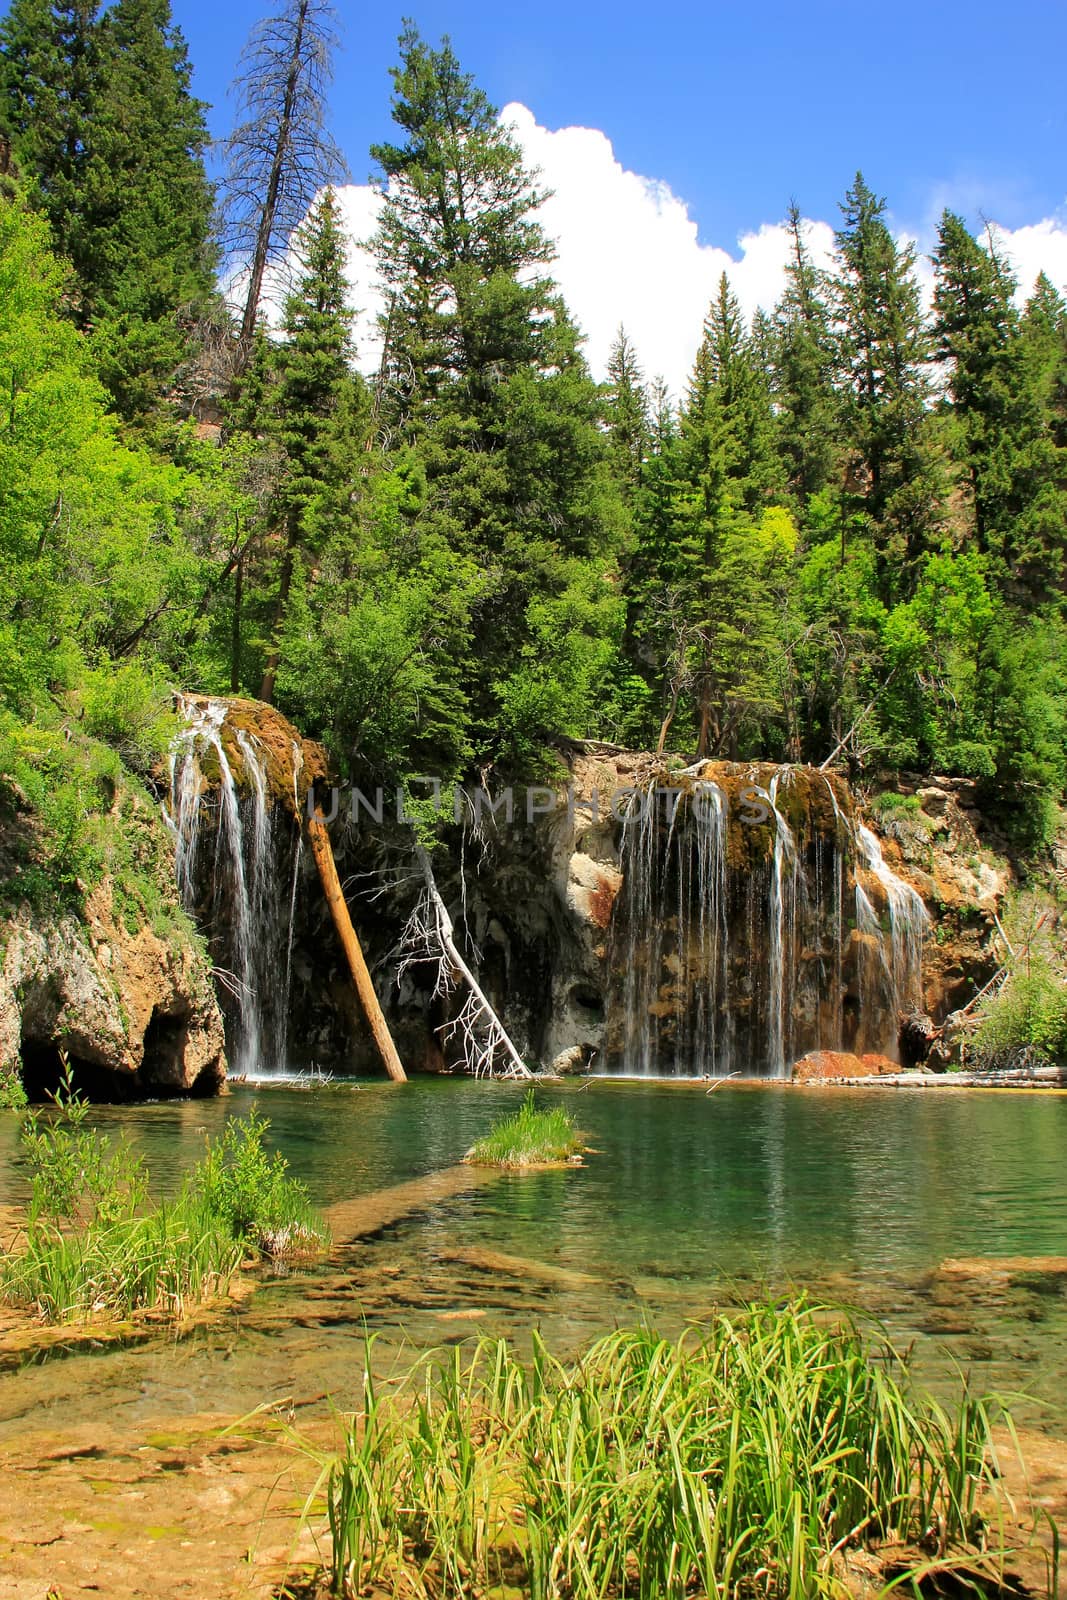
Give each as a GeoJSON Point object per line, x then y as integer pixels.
{"type": "Point", "coordinates": [908, 921]}
{"type": "Point", "coordinates": [229, 880]}
{"type": "Point", "coordinates": [782, 896]}
{"type": "Point", "coordinates": [702, 939]}
{"type": "Point", "coordinates": [737, 948]}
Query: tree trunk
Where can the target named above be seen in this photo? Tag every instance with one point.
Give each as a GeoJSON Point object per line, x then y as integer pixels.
{"type": "Point", "coordinates": [235, 632]}
{"type": "Point", "coordinates": [331, 884]}
{"type": "Point", "coordinates": [498, 1035]}
{"type": "Point", "coordinates": [270, 201]}
{"type": "Point", "coordinates": [270, 670]}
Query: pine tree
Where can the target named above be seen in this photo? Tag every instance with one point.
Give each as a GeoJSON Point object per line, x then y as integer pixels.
{"type": "Point", "coordinates": [728, 419]}
{"type": "Point", "coordinates": [145, 239]}
{"type": "Point", "coordinates": [997, 414]}
{"type": "Point", "coordinates": [317, 416]}
{"type": "Point", "coordinates": [883, 363]}
{"type": "Point", "coordinates": [803, 363]}
{"type": "Point", "coordinates": [626, 410]}
{"type": "Point", "coordinates": [484, 376]}
{"type": "Point", "coordinates": [280, 154]}
{"type": "Point", "coordinates": [48, 83]}
{"type": "Point", "coordinates": [457, 228]}
{"type": "Point", "coordinates": [709, 542]}
{"type": "Point", "coordinates": [111, 140]}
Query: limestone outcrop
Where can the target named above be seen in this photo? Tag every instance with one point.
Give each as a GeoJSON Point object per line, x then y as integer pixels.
{"type": "Point", "coordinates": [134, 1012]}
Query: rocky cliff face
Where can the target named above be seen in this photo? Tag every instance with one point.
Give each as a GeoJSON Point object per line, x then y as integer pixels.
{"type": "Point", "coordinates": [123, 992]}
{"type": "Point", "coordinates": [747, 920]}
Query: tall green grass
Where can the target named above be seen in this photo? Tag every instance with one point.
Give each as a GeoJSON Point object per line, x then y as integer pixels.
{"type": "Point", "coordinates": [96, 1246]}
{"type": "Point", "coordinates": [744, 1460]}
{"type": "Point", "coordinates": [528, 1136]}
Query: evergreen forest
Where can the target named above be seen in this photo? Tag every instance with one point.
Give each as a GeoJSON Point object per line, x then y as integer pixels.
{"type": "Point", "coordinates": [847, 537]}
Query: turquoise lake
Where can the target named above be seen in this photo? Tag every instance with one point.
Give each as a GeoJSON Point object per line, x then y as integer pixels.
{"type": "Point", "coordinates": [687, 1201]}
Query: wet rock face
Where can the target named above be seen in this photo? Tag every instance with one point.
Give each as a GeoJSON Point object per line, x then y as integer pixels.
{"type": "Point", "coordinates": [822, 1066]}
{"type": "Point", "coordinates": [757, 921]}
{"type": "Point", "coordinates": [288, 763]}
{"type": "Point", "coordinates": [939, 850]}
{"type": "Point", "coordinates": [135, 1013]}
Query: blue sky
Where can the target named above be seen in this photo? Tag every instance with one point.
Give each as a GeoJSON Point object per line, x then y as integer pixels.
{"type": "Point", "coordinates": [738, 106]}
{"type": "Point", "coordinates": [674, 135]}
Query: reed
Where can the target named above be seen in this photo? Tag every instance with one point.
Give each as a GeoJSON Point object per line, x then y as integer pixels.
{"type": "Point", "coordinates": [746, 1459]}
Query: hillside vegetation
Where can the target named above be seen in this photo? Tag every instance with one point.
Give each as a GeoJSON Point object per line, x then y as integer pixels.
{"type": "Point", "coordinates": [849, 532]}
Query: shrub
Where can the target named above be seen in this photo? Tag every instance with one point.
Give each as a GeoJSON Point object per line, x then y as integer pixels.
{"type": "Point", "coordinates": [891, 803]}
{"type": "Point", "coordinates": [250, 1192]}
{"type": "Point", "coordinates": [12, 1094]}
{"type": "Point", "coordinates": [1026, 1019]}
{"type": "Point", "coordinates": [528, 1136]}
{"type": "Point", "coordinates": [95, 1245]}
{"type": "Point", "coordinates": [738, 1460]}
{"type": "Point", "coordinates": [127, 708]}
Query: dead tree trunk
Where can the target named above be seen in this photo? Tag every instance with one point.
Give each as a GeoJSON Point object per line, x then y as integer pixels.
{"type": "Point", "coordinates": [478, 1026]}
{"type": "Point", "coordinates": [331, 884]}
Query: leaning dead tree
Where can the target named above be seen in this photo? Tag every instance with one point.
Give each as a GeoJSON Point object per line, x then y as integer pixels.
{"type": "Point", "coordinates": [357, 966]}
{"type": "Point", "coordinates": [430, 937]}
{"type": "Point", "coordinates": [280, 154]}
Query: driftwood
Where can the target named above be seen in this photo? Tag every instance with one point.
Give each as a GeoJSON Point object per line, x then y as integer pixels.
{"type": "Point", "coordinates": [430, 936]}
{"type": "Point", "coordinates": [331, 884]}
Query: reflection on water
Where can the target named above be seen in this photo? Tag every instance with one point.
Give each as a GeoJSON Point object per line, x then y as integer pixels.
{"type": "Point", "coordinates": [691, 1198]}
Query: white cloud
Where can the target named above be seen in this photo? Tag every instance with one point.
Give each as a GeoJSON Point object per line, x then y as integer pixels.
{"type": "Point", "coordinates": [1037, 247]}
{"type": "Point", "coordinates": [629, 252]}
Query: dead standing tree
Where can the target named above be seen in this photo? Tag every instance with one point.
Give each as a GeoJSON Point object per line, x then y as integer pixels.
{"type": "Point", "coordinates": [280, 155]}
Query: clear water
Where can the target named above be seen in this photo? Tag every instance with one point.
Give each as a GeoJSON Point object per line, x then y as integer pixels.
{"type": "Point", "coordinates": [690, 1200]}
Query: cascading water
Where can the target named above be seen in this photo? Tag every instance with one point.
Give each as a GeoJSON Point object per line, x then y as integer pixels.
{"type": "Point", "coordinates": [908, 921]}
{"type": "Point", "coordinates": [782, 909]}
{"type": "Point", "coordinates": [731, 945]}
{"type": "Point", "coordinates": [242, 902]}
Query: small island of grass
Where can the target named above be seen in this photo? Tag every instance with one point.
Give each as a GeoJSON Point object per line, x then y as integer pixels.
{"type": "Point", "coordinates": [530, 1137]}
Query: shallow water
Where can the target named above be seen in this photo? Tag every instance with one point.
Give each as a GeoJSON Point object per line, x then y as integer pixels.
{"type": "Point", "coordinates": [691, 1199]}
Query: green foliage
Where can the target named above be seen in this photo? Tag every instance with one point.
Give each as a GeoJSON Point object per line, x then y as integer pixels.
{"type": "Point", "coordinates": [528, 1136]}
{"type": "Point", "coordinates": [739, 1458]}
{"type": "Point", "coordinates": [79, 1177]}
{"type": "Point", "coordinates": [485, 554]}
{"type": "Point", "coordinates": [12, 1094]}
{"type": "Point", "coordinates": [890, 803]}
{"type": "Point", "coordinates": [1026, 1018]}
{"type": "Point", "coordinates": [248, 1191]}
{"type": "Point", "coordinates": [130, 710]}
{"type": "Point", "coordinates": [95, 1244]}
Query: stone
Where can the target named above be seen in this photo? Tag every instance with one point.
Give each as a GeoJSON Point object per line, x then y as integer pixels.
{"type": "Point", "coordinates": [134, 1012]}
{"type": "Point", "coordinates": [576, 1059]}
{"type": "Point", "coordinates": [823, 1065]}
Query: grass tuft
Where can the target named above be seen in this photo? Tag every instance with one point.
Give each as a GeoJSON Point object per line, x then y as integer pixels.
{"type": "Point", "coordinates": [529, 1137]}
{"type": "Point", "coordinates": [748, 1459]}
